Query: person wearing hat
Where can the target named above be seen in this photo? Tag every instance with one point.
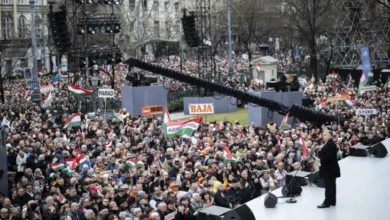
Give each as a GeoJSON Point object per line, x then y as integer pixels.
{"type": "Point", "coordinates": [174, 171]}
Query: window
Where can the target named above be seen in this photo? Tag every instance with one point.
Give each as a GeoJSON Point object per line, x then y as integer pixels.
{"type": "Point", "coordinates": [8, 66]}
{"type": "Point", "coordinates": [166, 8]}
{"type": "Point", "coordinates": [157, 29]}
{"type": "Point", "coordinates": [7, 28]}
{"type": "Point", "coordinates": [145, 5]}
{"type": "Point", "coordinates": [6, 2]}
{"type": "Point", "coordinates": [167, 29]}
{"type": "Point", "coordinates": [132, 5]}
{"type": "Point", "coordinates": [21, 2]}
{"type": "Point", "coordinates": [23, 62]}
{"type": "Point", "coordinates": [177, 7]}
{"type": "Point", "coordinates": [156, 6]}
{"type": "Point", "coordinates": [177, 27]}
{"type": "Point", "coordinates": [22, 27]}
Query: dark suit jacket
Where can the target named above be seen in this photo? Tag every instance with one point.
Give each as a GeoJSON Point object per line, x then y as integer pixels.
{"type": "Point", "coordinates": [329, 166]}
{"type": "Point", "coordinates": [222, 199]}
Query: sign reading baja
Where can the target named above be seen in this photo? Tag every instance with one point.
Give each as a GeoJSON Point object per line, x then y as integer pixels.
{"type": "Point", "coordinates": [365, 112]}
{"type": "Point", "coordinates": [106, 93]}
{"type": "Point", "coordinates": [151, 110]}
{"type": "Point", "coordinates": [199, 109]}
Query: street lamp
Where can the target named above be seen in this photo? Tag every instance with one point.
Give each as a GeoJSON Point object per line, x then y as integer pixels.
{"type": "Point", "coordinates": [94, 82]}
{"type": "Point", "coordinates": [36, 95]}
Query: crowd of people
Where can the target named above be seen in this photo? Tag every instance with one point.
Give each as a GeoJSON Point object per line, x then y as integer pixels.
{"type": "Point", "coordinates": [129, 170]}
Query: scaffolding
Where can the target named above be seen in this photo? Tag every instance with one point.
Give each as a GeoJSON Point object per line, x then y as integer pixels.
{"type": "Point", "coordinates": [361, 24]}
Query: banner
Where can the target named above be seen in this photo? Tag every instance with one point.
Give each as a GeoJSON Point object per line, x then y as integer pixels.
{"type": "Point", "coordinates": [337, 98]}
{"type": "Point", "coordinates": [367, 89]}
{"type": "Point", "coordinates": [106, 93]}
{"type": "Point", "coordinates": [199, 109]}
{"type": "Point", "coordinates": [365, 112]}
{"type": "Point", "coordinates": [151, 110]}
{"type": "Point", "coordinates": [366, 64]}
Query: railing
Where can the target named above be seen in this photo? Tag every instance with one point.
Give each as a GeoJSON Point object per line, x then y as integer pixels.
{"type": "Point", "coordinates": [178, 95]}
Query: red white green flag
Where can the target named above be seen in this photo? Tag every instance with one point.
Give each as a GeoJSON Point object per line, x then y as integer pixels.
{"type": "Point", "coordinates": [227, 155]}
{"type": "Point", "coordinates": [73, 121]}
{"type": "Point", "coordinates": [284, 125]}
{"type": "Point", "coordinates": [57, 166]}
{"type": "Point", "coordinates": [77, 91]}
{"type": "Point", "coordinates": [46, 102]}
{"type": "Point", "coordinates": [302, 142]}
{"type": "Point", "coordinates": [185, 128]}
{"type": "Point", "coordinates": [131, 163]}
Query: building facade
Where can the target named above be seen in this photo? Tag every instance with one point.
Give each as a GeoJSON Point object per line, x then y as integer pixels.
{"type": "Point", "coordinates": [15, 33]}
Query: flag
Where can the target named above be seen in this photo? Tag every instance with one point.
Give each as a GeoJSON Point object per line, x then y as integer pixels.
{"type": "Point", "coordinates": [349, 103]}
{"type": "Point", "coordinates": [321, 105]}
{"type": "Point", "coordinates": [108, 143]}
{"type": "Point", "coordinates": [45, 89]}
{"type": "Point", "coordinates": [72, 164]}
{"type": "Point", "coordinates": [62, 199]}
{"type": "Point", "coordinates": [46, 102]}
{"type": "Point", "coordinates": [43, 73]}
{"type": "Point", "coordinates": [331, 77]}
{"type": "Point", "coordinates": [68, 171]}
{"type": "Point", "coordinates": [131, 163]}
{"type": "Point", "coordinates": [56, 78]}
{"type": "Point", "coordinates": [139, 164]}
{"type": "Point", "coordinates": [184, 165]}
{"type": "Point", "coordinates": [362, 82]}
{"type": "Point", "coordinates": [302, 142]}
{"type": "Point", "coordinates": [258, 67]}
{"type": "Point", "coordinates": [302, 126]}
{"type": "Point", "coordinates": [77, 91]}
{"type": "Point", "coordinates": [73, 121]}
{"type": "Point", "coordinates": [227, 155]}
{"type": "Point", "coordinates": [57, 166]}
{"type": "Point", "coordinates": [185, 128]}
{"type": "Point", "coordinates": [284, 125]}
{"type": "Point", "coordinates": [5, 122]}
{"type": "Point", "coordinates": [118, 117]}
{"type": "Point", "coordinates": [278, 143]}
{"type": "Point", "coordinates": [81, 160]}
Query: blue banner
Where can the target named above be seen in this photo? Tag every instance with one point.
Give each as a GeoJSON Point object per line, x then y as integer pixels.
{"type": "Point", "coordinates": [366, 64]}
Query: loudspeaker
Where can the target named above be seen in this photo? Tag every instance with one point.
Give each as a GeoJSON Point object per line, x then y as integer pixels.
{"type": "Point", "coordinates": [270, 200]}
{"type": "Point", "coordinates": [213, 213]}
{"type": "Point", "coordinates": [358, 150]}
{"type": "Point", "coordinates": [315, 179]}
{"type": "Point", "coordinates": [240, 213]}
{"type": "Point", "coordinates": [378, 150]}
{"type": "Point", "coordinates": [292, 189]}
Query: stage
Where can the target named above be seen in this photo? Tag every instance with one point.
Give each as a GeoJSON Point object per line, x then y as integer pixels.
{"type": "Point", "coordinates": [363, 193]}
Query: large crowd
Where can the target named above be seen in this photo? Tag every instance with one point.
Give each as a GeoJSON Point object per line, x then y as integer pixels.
{"type": "Point", "coordinates": [129, 170]}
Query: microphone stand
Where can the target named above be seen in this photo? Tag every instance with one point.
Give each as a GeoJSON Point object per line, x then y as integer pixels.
{"type": "Point", "coordinates": [292, 199]}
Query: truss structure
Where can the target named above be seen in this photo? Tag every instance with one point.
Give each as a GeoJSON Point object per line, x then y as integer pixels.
{"type": "Point", "coordinates": [204, 51]}
{"type": "Point", "coordinates": [357, 26]}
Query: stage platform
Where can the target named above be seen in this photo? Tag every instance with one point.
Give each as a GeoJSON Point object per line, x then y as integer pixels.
{"type": "Point", "coordinates": [363, 193]}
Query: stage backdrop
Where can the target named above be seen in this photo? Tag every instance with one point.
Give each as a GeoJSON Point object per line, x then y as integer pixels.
{"type": "Point", "coordinates": [134, 98]}
{"type": "Point", "coordinates": [222, 104]}
{"type": "Point", "coordinates": [261, 115]}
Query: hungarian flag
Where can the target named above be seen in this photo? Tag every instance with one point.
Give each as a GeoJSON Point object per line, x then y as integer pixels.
{"type": "Point", "coordinates": [362, 82]}
{"type": "Point", "coordinates": [68, 171]}
{"type": "Point", "coordinates": [258, 67]}
{"type": "Point", "coordinates": [302, 142]}
{"type": "Point", "coordinates": [349, 103]}
{"type": "Point", "coordinates": [139, 164]}
{"type": "Point", "coordinates": [185, 128]}
{"type": "Point", "coordinates": [131, 163]}
{"type": "Point", "coordinates": [46, 102]}
{"type": "Point", "coordinates": [118, 117]}
{"type": "Point", "coordinates": [284, 125]}
{"type": "Point", "coordinates": [77, 91]}
{"type": "Point", "coordinates": [62, 199]}
{"type": "Point", "coordinates": [321, 105]}
{"type": "Point", "coordinates": [227, 155]}
{"type": "Point", "coordinates": [108, 143]}
{"type": "Point", "coordinates": [184, 165]}
{"type": "Point", "coordinates": [72, 164]}
{"type": "Point", "coordinates": [302, 126]}
{"type": "Point", "coordinates": [73, 121]}
{"type": "Point", "coordinates": [331, 77]}
{"type": "Point", "coordinates": [81, 160]}
{"type": "Point", "coordinates": [57, 166]}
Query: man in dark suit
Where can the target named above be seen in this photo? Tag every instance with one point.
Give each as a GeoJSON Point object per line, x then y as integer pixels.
{"type": "Point", "coordinates": [221, 198]}
{"type": "Point", "coordinates": [329, 169]}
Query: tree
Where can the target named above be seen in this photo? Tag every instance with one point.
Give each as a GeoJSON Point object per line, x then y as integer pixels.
{"type": "Point", "coordinates": [11, 51]}
{"type": "Point", "coordinates": [384, 3]}
{"type": "Point", "coordinates": [310, 19]}
{"type": "Point", "coordinates": [141, 23]}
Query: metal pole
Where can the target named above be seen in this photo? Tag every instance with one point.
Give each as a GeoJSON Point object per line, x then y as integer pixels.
{"type": "Point", "coordinates": [36, 97]}
{"type": "Point", "coordinates": [229, 37]}
{"type": "Point", "coordinates": [94, 100]}
{"type": "Point", "coordinates": [44, 40]}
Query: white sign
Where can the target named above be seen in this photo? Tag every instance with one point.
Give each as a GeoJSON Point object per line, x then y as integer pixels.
{"type": "Point", "coordinates": [365, 112]}
{"type": "Point", "coordinates": [199, 109]}
{"type": "Point", "coordinates": [106, 93]}
{"type": "Point", "coordinates": [367, 89]}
